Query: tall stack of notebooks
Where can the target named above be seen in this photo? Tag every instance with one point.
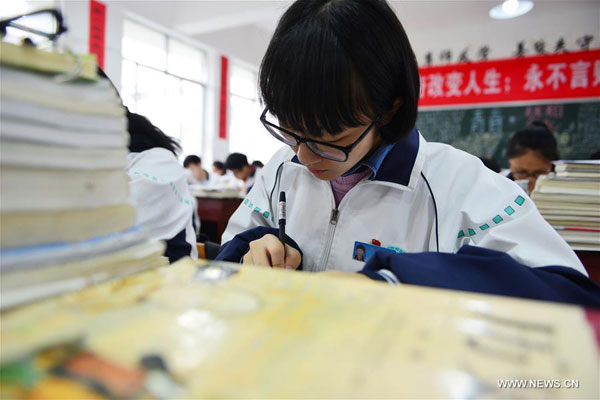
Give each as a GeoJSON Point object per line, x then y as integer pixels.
{"type": "Point", "coordinates": [65, 212]}
{"type": "Point", "coordinates": [569, 200]}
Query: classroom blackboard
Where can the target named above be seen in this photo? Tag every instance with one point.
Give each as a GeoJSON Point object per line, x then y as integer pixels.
{"type": "Point", "coordinates": [485, 131]}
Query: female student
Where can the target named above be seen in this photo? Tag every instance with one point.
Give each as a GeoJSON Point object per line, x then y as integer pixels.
{"type": "Point", "coordinates": [530, 153]}
{"type": "Point", "coordinates": [340, 85]}
{"type": "Point", "coordinates": [159, 188]}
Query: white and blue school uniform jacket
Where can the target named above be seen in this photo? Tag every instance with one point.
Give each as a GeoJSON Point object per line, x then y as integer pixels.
{"type": "Point", "coordinates": [164, 205]}
{"type": "Point", "coordinates": [421, 197]}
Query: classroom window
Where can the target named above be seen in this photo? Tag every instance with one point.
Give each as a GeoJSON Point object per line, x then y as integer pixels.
{"type": "Point", "coordinates": [247, 135]}
{"type": "Point", "coordinates": [164, 79]}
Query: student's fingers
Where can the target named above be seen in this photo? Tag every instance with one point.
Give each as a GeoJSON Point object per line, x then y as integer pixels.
{"type": "Point", "coordinates": [247, 260]}
{"type": "Point", "coordinates": [268, 251]}
{"type": "Point", "coordinates": [292, 257]}
{"type": "Point", "coordinates": [258, 253]}
{"type": "Point", "coordinates": [274, 248]}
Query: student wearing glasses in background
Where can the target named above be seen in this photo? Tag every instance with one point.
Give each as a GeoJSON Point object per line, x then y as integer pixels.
{"type": "Point", "coordinates": [340, 85]}
{"type": "Point", "coordinates": [530, 153]}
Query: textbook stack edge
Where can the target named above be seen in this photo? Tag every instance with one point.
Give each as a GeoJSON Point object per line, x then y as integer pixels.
{"type": "Point", "coordinates": [66, 218]}
{"type": "Point", "coordinates": [569, 199]}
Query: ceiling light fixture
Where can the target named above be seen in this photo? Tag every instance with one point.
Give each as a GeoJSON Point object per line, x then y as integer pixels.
{"type": "Point", "coordinates": [511, 9]}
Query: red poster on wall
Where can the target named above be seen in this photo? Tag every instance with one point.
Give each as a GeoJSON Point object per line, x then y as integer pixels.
{"type": "Point", "coordinates": [551, 77]}
{"type": "Point", "coordinates": [223, 99]}
{"type": "Point", "coordinates": [97, 30]}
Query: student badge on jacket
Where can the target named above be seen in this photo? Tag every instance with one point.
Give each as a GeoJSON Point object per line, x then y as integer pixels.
{"type": "Point", "coordinates": [363, 251]}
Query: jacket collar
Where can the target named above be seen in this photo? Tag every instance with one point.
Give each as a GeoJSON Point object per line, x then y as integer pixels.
{"type": "Point", "coordinates": [403, 164]}
{"type": "Point", "coordinates": [397, 164]}
{"type": "Point", "coordinates": [373, 162]}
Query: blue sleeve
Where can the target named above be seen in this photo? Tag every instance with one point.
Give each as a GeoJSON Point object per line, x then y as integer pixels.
{"type": "Point", "coordinates": [488, 271]}
{"type": "Point", "coordinates": [178, 247]}
{"type": "Point", "coordinates": [237, 247]}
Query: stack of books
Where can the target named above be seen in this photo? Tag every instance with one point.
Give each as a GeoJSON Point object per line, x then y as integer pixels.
{"type": "Point", "coordinates": [65, 213]}
{"type": "Point", "coordinates": [569, 200]}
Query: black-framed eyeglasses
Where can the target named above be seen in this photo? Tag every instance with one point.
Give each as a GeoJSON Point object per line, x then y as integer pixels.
{"type": "Point", "coordinates": [322, 149]}
{"type": "Point", "coordinates": [30, 22]}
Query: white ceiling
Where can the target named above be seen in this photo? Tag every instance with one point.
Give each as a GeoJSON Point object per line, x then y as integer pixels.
{"type": "Point", "coordinates": [242, 28]}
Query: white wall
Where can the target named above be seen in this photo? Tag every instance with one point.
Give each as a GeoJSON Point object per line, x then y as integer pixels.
{"type": "Point", "coordinates": [251, 49]}
{"type": "Point", "coordinates": [568, 19]}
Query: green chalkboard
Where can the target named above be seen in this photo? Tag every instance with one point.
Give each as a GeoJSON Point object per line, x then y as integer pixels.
{"type": "Point", "coordinates": [485, 131]}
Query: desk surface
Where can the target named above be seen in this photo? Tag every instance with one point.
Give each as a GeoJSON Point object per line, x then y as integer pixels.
{"type": "Point", "coordinates": [272, 333]}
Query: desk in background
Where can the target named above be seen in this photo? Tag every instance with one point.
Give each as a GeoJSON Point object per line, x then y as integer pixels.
{"type": "Point", "coordinates": [214, 214]}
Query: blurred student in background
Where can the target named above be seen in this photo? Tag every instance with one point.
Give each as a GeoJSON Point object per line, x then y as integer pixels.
{"type": "Point", "coordinates": [196, 174]}
{"type": "Point", "coordinates": [257, 164]}
{"type": "Point", "coordinates": [491, 163]}
{"type": "Point", "coordinates": [159, 188]}
{"type": "Point", "coordinates": [238, 164]}
{"type": "Point", "coordinates": [222, 179]}
{"type": "Point", "coordinates": [530, 153]}
{"type": "Point", "coordinates": [219, 168]}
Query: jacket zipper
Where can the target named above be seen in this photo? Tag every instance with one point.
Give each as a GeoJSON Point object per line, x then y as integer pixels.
{"type": "Point", "coordinates": [335, 213]}
{"type": "Point", "coordinates": [333, 220]}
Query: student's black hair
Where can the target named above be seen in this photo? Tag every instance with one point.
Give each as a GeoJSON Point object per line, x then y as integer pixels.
{"type": "Point", "coordinates": [219, 165]}
{"type": "Point", "coordinates": [333, 64]}
{"type": "Point", "coordinates": [144, 135]}
{"type": "Point", "coordinates": [191, 159]}
{"type": "Point", "coordinates": [491, 163]}
{"type": "Point", "coordinates": [360, 246]}
{"type": "Point", "coordinates": [258, 164]}
{"type": "Point", "coordinates": [537, 137]}
{"type": "Point", "coordinates": [236, 161]}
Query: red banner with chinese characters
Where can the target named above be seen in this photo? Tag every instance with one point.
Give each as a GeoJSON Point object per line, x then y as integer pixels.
{"type": "Point", "coordinates": [223, 98]}
{"type": "Point", "coordinates": [573, 75]}
{"type": "Point", "coordinates": [97, 30]}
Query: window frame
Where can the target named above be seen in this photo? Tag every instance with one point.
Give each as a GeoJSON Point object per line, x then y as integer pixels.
{"type": "Point", "coordinates": [203, 83]}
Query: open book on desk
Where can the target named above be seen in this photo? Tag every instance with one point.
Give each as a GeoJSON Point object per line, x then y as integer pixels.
{"type": "Point", "coordinates": [225, 331]}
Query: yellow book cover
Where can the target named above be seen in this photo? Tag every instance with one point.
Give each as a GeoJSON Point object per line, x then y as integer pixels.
{"type": "Point", "coordinates": [29, 57]}
{"type": "Point", "coordinates": [221, 331]}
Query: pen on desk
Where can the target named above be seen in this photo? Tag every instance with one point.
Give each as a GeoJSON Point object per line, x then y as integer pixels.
{"type": "Point", "coordinates": [282, 220]}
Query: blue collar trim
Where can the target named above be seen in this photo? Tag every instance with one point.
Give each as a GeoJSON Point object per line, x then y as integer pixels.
{"type": "Point", "coordinates": [390, 163]}
{"type": "Point", "coordinates": [397, 167]}
{"type": "Point", "coordinates": [373, 162]}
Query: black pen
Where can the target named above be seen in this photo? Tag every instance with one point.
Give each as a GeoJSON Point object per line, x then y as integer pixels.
{"type": "Point", "coordinates": [282, 220]}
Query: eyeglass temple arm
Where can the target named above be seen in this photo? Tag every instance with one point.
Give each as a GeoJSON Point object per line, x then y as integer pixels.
{"type": "Point", "coordinates": [61, 28]}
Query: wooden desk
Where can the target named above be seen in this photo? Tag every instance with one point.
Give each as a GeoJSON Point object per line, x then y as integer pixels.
{"type": "Point", "coordinates": [217, 211]}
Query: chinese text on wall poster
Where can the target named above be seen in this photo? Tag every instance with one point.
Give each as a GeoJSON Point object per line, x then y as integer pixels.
{"type": "Point", "coordinates": [97, 30]}
{"type": "Point", "coordinates": [558, 76]}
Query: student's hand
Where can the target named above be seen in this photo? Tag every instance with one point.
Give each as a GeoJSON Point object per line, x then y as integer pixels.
{"type": "Point", "coordinates": [268, 251]}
